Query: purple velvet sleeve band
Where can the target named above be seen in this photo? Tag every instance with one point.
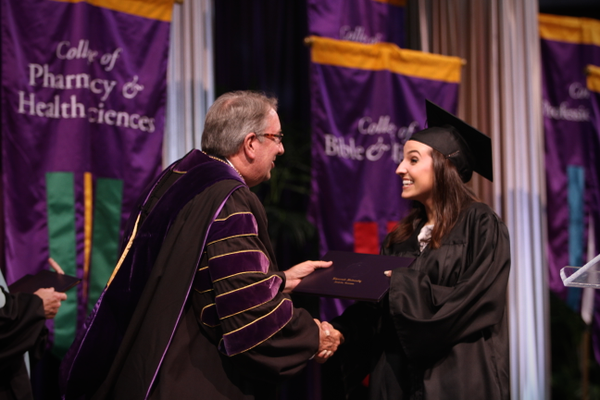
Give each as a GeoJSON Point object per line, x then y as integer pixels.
{"type": "Point", "coordinates": [240, 262]}
{"type": "Point", "coordinates": [209, 316]}
{"type": "Point", "coordinates": [258, 331]}
{"type": "Point", "coordinates": [247, 297]}
{"type": "Point", "coordinates": [234, 225]}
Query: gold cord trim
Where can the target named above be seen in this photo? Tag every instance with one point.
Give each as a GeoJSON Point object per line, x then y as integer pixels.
{"type": "Point", "coordinates": [225, 162]}
{"type": "Point", "coordinates": [232, 237]}
{"type": "Point", "coordinates": [262, 341]}
{"type": "Point", "coordinates": [231, 215]}
{"type": "Point", "coordinates": [125, 251]}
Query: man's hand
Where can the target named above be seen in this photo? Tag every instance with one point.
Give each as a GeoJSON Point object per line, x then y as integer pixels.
{"type": "Point", "coordinates": [294, 275]}
{"type": "Point", "coordinates": [51, 299]}
{"type": "Point", "coordinates": [329, 340]}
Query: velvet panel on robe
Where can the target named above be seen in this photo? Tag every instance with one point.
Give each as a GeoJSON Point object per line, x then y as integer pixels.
{"type": "Point", "coordinates": [442, 331]}
{"type": "Point", "coordinates": [22, 329]}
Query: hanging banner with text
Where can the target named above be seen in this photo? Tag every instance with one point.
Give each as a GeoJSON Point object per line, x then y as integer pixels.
{"type": "Point", "coordinates": [364, 21]}
{"type": "Point", "coordinates": [83, 111]}
{"type": "Point", "coordinates": [567, 45]}
{"type": "Point", "coordinates": [593, 85]}
{"type": "Point", "coordinates": [367, 100]}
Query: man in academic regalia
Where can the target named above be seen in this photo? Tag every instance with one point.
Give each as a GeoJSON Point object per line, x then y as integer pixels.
{"type": "Point", "coordinates": [196, 307]}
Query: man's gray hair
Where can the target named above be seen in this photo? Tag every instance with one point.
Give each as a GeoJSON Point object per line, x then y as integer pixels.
{"type": "Point", "coordinates": [231, 117]}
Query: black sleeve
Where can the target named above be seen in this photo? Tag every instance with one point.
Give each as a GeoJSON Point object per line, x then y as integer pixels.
{"type": "Point", "coordinates": [22, 325]}
{"type": "Point", "coordinates": [361, 326]}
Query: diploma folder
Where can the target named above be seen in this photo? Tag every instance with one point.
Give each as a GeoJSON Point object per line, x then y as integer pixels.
{"type": "Point", "coordinates": [43, 279]}
{"type": "Point", "coordinates": [353, 276]}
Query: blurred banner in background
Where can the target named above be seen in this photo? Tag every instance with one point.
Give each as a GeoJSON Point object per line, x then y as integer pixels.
{"type": "Point", "coordinates": [363, 21]}
{"type": "Point", "coordinates": [568, 45]}
{"type": "Point", "coordinates": [83, 111]}
{"type": "Point", "coordinates": [591, 313]}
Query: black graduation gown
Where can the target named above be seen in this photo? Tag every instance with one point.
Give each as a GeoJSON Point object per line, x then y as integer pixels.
{"type": "Point", "coordinates": [441, 333]}
{"type": "Point", "coordinates": [22, 329]}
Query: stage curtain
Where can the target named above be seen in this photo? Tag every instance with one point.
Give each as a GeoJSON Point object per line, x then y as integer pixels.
{"type": "Point", "coordinates": [190, 77]}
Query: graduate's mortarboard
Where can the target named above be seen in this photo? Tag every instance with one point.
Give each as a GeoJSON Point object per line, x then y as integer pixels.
{"type": "Point", "coordinates": [467, 148]}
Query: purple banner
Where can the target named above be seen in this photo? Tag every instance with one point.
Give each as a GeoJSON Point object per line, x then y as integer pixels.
{"type": "Point", "coordinates": [83, 110]}
{"type": "Point", "coordinates": [568, 45]}
{"type": "Point", "coordinates": [364, 21]}
{"type": "Point", "coordinates": [571, 167]}
{"type": "Point", "coordinates": [593, 85]}
{"type": "Point", "coordinates": [361, 120]}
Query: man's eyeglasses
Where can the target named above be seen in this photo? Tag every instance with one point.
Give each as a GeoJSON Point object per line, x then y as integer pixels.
{"type": "Point", "coordinates": [276, 137]}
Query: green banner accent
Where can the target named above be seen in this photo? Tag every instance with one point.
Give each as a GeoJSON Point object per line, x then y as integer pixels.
{"type": "Point", "coordinates": [60, 193]}
{"type": "Point", "coordinates": [105, 237]}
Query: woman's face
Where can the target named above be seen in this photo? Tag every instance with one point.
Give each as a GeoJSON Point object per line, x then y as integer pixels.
{"type": "Point", "coordinates": [416, 171]}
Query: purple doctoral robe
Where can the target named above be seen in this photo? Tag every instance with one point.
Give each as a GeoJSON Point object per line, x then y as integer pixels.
{"type": "Point", "coordinates": [196, 306]}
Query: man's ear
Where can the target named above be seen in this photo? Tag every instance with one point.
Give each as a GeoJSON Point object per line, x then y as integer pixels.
{"type": "Point", "coordinates": [249, 145]}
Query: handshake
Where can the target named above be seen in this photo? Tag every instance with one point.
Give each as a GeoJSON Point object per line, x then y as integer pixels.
{"type": "Point", "coordinates": [329, 337]}
{"type": "Point", "coordinates": [329, 340]}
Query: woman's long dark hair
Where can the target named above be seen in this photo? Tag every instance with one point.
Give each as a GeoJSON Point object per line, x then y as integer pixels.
{"type": "Point", "coordinates": [450, 197]}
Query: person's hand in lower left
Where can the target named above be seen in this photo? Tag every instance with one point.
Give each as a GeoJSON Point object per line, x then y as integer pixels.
{"type": "Point", "coordinates": [52, 300]}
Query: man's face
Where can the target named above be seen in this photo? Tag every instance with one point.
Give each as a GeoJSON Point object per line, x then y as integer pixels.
{"type": "Point", "coordinates": [269, 149]}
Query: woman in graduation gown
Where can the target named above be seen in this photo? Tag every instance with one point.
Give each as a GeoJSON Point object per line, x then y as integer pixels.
{"type": "Point", "coordinates": [441, 333]}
